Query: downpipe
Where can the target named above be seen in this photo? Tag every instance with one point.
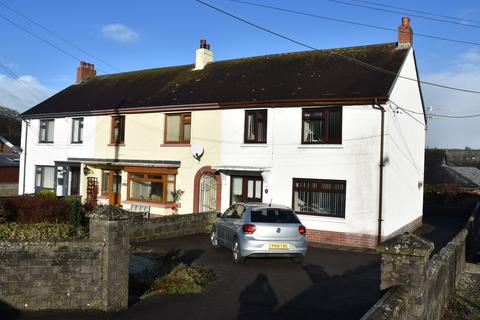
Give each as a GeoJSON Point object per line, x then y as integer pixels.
{"type": "Point", "coordinates": [376, 106]}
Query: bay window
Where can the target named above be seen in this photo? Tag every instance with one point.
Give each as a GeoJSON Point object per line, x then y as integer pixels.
{"type": "Point", "coordinates": [151, 187]}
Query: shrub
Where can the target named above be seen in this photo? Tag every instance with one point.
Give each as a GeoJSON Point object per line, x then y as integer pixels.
{"type": "Point", "coordinates": [46, 193]}
{"type": "Point", "coordinates": [35, 209]}
{"type": "Point", "coordinates": [40, 231]}
{"type": "Point", "coordinates": [183, 279]}
{"type": "Point", "coordinates": [77, 211]}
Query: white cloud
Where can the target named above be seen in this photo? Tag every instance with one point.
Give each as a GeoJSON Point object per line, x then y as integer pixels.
{"type": "Point", "coordinates": [22, 93]}
{"type": "Point", "coordinates": [455, 133]}
{"type": "Point", "coordinates": [119, 33]}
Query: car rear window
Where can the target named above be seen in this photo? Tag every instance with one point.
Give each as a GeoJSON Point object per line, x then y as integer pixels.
{"type": "Point", "coordinates": [274, 215]}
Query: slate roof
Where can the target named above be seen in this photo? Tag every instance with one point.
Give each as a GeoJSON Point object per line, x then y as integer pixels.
{"type": "Point", "coordinates": [472, 174]}
{"type": "Point", "coordinates": [9, 160]}
{"type": "Point", "coordinates": [290, 76]}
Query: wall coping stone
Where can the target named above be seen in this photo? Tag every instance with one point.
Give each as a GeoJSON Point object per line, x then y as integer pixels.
{"type": "Point", "coordinates": [49, 243]}
{"type": "Point", "coordinates": [109, 213]}
{"type": "Point", "coordinates": [407, 244]}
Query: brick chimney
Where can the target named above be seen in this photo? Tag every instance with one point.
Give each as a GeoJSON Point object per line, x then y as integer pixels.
{"type": "Point", "coordinates": [85, 71]}
{"type": "Point", "coordinates": [405, 34]}
{"type": "Point", "coordinates": [203, 55]}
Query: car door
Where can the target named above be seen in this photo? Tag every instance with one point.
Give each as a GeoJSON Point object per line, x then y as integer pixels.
{"type": "Point", "coordinates": [233, 221]}
{"type": "Point", "coordinates": [220, 225]}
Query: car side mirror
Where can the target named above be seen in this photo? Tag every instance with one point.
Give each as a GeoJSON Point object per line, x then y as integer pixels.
{"type": "Point", "coordinates": [219, 215]}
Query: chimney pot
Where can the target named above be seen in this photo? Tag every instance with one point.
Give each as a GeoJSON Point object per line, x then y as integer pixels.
{"type": "Point", "coordinates": [85, 71]}
{"type": "Point", "coordinates": [405, 34]}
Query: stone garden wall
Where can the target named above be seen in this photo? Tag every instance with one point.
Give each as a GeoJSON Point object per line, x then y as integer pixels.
{"type": "Point", "coordinates": [420, 287]}
{"type": "Point", "coordinates": [171, 226]}
{"type": "Point", "coordinates": [81, 274]}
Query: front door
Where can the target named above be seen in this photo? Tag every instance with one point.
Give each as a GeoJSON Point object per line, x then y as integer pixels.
{"type": "Point", "coordinates": [246, 189]}
{"type": "Point", "coordinates": [74, 181]}
{"type": "Point", "coordinates": [112, 186]}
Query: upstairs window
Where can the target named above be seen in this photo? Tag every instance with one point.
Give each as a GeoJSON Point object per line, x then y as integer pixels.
{"type": "Point", "coordinates": [178, 127]}
{"type": "Point", "coordinates": [255, 126]}
{"type": "Point", "coordinates": [319, 197]}
{"type": "Point", "coordinates": [118, 130]}
{"type": "Point", "coordinates": [46, 131]}
{"type": "Point", "coordinates": [322, 125]}
{"type": "Point", "coordinates": [77, 130]}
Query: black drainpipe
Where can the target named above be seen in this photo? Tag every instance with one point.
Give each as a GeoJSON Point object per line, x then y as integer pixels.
{"type": "Point", "coordinates": [25, 155]}
{"type": "Point", "coordinates": [382, 164]}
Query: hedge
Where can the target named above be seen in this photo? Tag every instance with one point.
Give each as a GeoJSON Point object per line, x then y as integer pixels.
{"type": "Point", "coordinates": [41, 231]}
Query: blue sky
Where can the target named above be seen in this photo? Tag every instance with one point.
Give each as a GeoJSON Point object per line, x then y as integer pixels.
{"type": "Point", "coordinates": [147, 34]}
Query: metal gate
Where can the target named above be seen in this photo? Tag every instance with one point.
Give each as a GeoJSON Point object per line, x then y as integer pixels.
{"type": "Point", "coordinates": [208, 193]}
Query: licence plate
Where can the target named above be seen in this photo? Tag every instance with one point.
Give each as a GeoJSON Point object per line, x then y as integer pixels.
{"type": "Point", "coordinates": [276, 246]}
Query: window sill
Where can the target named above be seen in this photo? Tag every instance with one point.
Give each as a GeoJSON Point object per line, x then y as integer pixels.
{"type": "Point", "coordinates": [152, 204]}
{"type": "Point", "coordinates": [175, 145]}
{"type": "Point", "coordinates": [313, 217]}
{"type": "Point", "coordinates": [320, 146]}
{"type": "Point", "coordinates": [116, 144]}
{"type": "Point", "coordinates": [45, 143]}
{"type": "Point", "coordinates": [254, 145]}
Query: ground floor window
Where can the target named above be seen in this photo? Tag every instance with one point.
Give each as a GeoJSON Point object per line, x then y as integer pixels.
{"type": "Point", "coordinates": [246, 189]}
{"type": "Point", "coordinates": [151, 187]}
{"type": "Point", "coordinates": [319, 197]}
{"type": "Point", "coordinates": [44, 177]}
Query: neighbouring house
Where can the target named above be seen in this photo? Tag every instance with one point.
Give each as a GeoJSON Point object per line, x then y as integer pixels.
{"type": "Point", "coordinates": [9, 167]}
{"type": "Point", "coordinates": [326, 132]}
{"type": "Point", "coordinates": [440, 171]}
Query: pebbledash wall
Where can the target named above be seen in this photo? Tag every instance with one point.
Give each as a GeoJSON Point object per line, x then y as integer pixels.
{"type": "Point", "coordinates": [86, 274]}
{"type": "Point", "coordinates": [420, 287]}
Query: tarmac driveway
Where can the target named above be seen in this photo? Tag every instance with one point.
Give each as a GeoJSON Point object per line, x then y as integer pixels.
{"type": "Point", "coordinates": [330, 284]}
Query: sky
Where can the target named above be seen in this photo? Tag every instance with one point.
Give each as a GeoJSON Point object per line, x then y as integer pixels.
{"type": "Point", "coordinates": [126, 35]}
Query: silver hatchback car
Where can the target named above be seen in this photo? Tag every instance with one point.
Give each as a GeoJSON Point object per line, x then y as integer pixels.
{"type": "Point", "coordinates": [260, 230]}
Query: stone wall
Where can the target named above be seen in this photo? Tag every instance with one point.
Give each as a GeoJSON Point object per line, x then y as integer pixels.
{"type": "Point", "coordinates": [419, 287]}
{"type": "Point", "coordinates": [171, 226]}
{"type": "Point", "coordinates": [8, 189]}
{"type": "Point", "coordinates": [85, 274]}
{"type": "Point", "coordinates": [51, 275]}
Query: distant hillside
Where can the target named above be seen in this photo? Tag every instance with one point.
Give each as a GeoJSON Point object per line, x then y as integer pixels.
{"type": "Point", "coordinates": [464, 158]}
{"type": "Point", "coordinates": [10, 125]}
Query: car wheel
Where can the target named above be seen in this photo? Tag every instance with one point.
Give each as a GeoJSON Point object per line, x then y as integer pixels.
{"type": "Point", "coordinates": [213, 239]}
{"type": "Point", "coordinates": [298, 259]}
{"type": "Point", "coordinates": [237, 257]}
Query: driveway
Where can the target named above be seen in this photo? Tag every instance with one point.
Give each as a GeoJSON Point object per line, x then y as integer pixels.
{"type": "Point", "coordinates": [330, 284]}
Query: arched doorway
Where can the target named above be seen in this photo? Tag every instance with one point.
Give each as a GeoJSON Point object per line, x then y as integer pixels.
{"type": "Point", "coordinates": [207, 190]}
{"type": "Point", "coordinates": [208, 193]}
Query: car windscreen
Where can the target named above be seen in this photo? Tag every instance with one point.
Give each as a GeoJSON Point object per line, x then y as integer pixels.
{"type": "Point", "coordinates": [274, 215]}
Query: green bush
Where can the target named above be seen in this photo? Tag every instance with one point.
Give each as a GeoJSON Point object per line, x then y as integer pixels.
{"type": "Point", "coordinates": [77, 212]}
{"type": "Point", "coordinates": [183, 279]}
{"type": "Point", "coordinates": [46, 193]}
{"type": "Point", "coordinates": [41, 231]}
